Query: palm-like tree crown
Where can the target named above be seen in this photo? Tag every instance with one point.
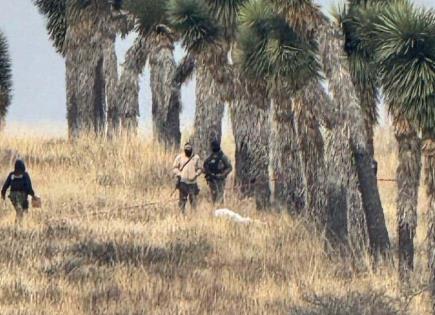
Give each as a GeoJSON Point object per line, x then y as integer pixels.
{"type": "Point", "coordinates": [404, 40]}
{"type": "Point", "coordinates": [354, 19]}
{"type": "Point", "coordinates": [5, 76]}
{"type": "Point", "coordinates": [148, 13]}
{"type": "Point", "coordinates": [194, 21]}
{"type": "Point", "coordinates": [55, 12]}
{"type": "Point", "coordinates": [271, 49]}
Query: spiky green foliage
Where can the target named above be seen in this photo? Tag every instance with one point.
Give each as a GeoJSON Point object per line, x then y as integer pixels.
{"type": "Point", "coordinates": [55, 13]}
{"type": "Point", "coordinates": [5, 76]}
{"type": "Point", "coordinates": [361, 58]}
{"type": "Point", "coordinates": [303, 15]}
{"type": "Point", "coordinates": [226, 13]}
{"type": "Point", "coordinates": [193, 20]}
{"type": "Point", "coordinates": [404, 40]}
{"type": "Point", "coordinates": [271, 49]}
{"type": "Point", "coordinates": [148, 12]}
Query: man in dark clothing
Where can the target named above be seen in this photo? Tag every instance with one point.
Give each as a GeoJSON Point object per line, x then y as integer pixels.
{"type": "Point", "coordinates": [217, 167]}
{"type": "Point", "coordinates": [21, 187]}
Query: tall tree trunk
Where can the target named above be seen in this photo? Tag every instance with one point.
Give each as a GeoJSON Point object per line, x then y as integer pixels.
{"type": "Point", "coordinates": [347, 228]}
{"type": "Point", "coordinates": [86, 91]}
{"type": "Point", "coordinates": [84, 56]}
{"type": "Point", "coordinates": [210, 104]}
{"type": "Point", "coordinates": [166, 104]}
{"type": "Point", "coordinates": [429, 179]}
{"type": "Point", "coordinates": [71, 72]}
{"type": "Point", "coordinates": [100, 100]}
{"type": "Point", "coordinates": [368, 102]}
{"type": "Point", "coordinates": [251, 128]}
{"type": "Point", "coordinates": [285, 158]}
{"type": "Point", "coordinates": [128, 89]}
{"type": "Point", "coordinates": [340, 82]}
{"type": "Point", "coordinates": [110, 67]}
{"type": "Point", "coordinates": [408, 181]}
{"type": "Point", "coordinates": [312, 150]}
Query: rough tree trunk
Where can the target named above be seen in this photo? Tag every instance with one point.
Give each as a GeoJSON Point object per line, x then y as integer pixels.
{"type": "Point", "coordinates": [100, 100]}
{"type": "Point", "coordinates": [285, 158]}
{"type": "Point", "coordinates": [312, 151]}
{"type": "Point", "coordinates": [429, 179]}
{"type": "Point", "coordinates": [340, 82]}
{"type": "Point", "coordinates": [86, 90]}
{"type": "Point", "coordinates": [251, 128]}
{"type": "Point", "coordinates": [408, 181]}
{"type": "Point", "coordinates": [368, 100]}
{"type": "Point", "coordinates": [210, 104]}
{"type": "Point", "coordinates": [84, 61]}
{"type": "Point", "coordinates": [110, 68]}
{"type": "Point", "coordinates": [346, 225]}
{"type": "Point", "coordinates": [128, 89]}
{"type": "Point", "coordinates": [71, 72]}
{"type": "Point", "coordinates": [166, 105]}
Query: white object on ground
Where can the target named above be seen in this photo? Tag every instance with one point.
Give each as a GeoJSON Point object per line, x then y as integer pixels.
{"type": "Point", "coordinates": [233, 216]}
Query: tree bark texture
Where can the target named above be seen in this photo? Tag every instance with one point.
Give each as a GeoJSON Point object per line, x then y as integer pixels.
{"type": "Point", "coordinates": [251, 129]}
{"type": "Point", "coordinates": [285, 158]}
{"type": "Point", "coordinates": [100, 108]}
{"type": "Point", "coordinates": [337, 71]}
{"type": "Point", "coordinates": [408, 181]}
{"type": "Point", "coordinates": [311, 145]}
{"type": "Point", "coordinates": [86, 101]}
{"type": "Point", "coordinates": [128, 88]}
{"type": "Point", "coordinates": [71, 71]}
{"type": "Point", "coordinates": [429, 180]}
{"type": "Point", "coordinates": [110, 68]}
{"type": "Point", "coordinates": [210, 101]}
{"type": "Point", "coordinates": [166, 103]}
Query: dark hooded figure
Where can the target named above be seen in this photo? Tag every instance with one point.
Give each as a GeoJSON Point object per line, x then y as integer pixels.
{"type": "Point", "coordinates": [20, 188]}
{"type": "Point", "coordinates": [217, 167]}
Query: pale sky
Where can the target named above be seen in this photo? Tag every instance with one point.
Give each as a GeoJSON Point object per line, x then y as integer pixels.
{"type": "Point", "coordinates": [39, 72]}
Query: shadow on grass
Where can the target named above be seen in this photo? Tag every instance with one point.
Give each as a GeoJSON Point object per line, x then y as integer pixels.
{"type": "Point", "coordinates": [369, 302]}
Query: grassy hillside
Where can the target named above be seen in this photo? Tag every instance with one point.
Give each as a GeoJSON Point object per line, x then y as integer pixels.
{"type": "Point", "coordinates": [89, 250]}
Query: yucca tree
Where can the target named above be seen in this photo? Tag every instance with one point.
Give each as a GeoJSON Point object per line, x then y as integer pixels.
{"type": "Point", "coordinates": [274, 53]}
{"type": "Point", "coordinates": [84, 33]}
{"type": "Point", "coordinates": [5, 79]}
{"type": "Point", "coordinates": [308, 21]}
{"type": "Point", "coordinates": [361, 65]}
{"type": "Point", "coordinates": [202, 27]}
{"type": "Point", "coordinates": [409, 154]}
{"type": "Point", "coordinates": [404, 41]}
{"type": "Point", "coordinates": [155, 44]}
{"type": "Point", "coordinates": [249, 111]}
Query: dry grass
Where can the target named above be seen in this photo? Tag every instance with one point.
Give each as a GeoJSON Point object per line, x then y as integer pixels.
{"type": "Point", "coordinates": [86, 252]}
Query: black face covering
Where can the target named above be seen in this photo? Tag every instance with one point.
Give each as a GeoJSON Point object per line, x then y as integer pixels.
{"type": "Point", "coordinates": [20, 167]}
{"type": "Point", "coordinates": [215, 146]}
{"type": "Point", "coordinates": [188, 153]}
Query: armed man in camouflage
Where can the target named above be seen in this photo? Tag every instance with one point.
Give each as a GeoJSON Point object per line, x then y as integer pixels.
{"type": "Point", "coordinates": [217, 167]}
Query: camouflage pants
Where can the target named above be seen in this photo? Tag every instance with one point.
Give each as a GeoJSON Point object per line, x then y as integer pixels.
{"type": "Point", "coordinates": [217, 189]}
{"type": "Point", "coordinates": [20, 203]}
{"type": "Point", "coordinates": [188, 192]}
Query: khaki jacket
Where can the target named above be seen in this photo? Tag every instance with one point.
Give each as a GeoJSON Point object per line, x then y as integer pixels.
{"type": "Point", "coordinates": [190, 172]}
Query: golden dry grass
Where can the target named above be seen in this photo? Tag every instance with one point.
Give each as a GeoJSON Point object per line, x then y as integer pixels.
{"type": "Point", "coordinates": [86, 252]}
